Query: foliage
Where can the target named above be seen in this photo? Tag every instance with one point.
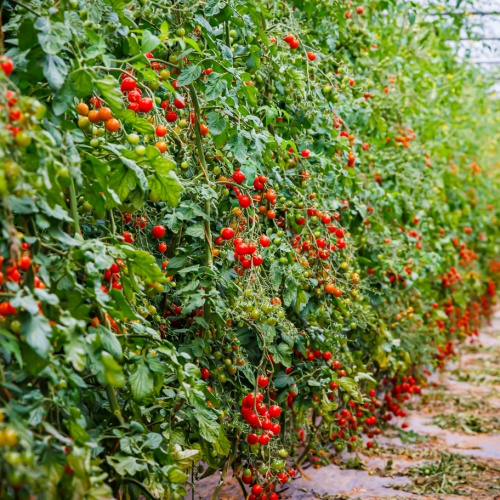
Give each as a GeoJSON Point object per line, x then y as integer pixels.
{"type": "Point", "coordinates": [133, 134]}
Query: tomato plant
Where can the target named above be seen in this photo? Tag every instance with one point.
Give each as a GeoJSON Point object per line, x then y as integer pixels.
{"type": "Point", "coordinates": [233, 234]}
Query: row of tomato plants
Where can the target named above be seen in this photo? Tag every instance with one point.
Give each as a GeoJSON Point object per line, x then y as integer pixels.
{"type": "Point", "coordinates": [234, 235]}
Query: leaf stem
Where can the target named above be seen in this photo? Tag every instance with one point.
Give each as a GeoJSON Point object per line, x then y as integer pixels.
{"type": "Point", "coordinates": [113, 403]}
{"type": "Point", "coordinates": [73, 206]}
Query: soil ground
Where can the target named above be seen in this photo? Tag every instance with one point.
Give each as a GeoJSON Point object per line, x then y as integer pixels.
{"type": "Point", "coordinates": [452, 451]}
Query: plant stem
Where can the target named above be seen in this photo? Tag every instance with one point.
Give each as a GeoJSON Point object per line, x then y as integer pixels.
{"type": "Point", "coordinates": [73, 206]}
{"type": "Point", "coordinates": [113, 403]}
{"type": "Point", "coordinates": [201, 153]}
{"type": "Point", "coordinates": [141, 486]}
{"type": "Point", "coordinates": [216, 492]}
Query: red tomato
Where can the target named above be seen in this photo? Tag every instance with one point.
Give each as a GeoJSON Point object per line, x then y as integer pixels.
{"type": "Point", "coordinates": [158, 232]}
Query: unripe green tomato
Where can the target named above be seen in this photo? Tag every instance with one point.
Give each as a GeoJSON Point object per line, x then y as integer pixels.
{"type": "Point", "coordinates": [133, 139]}
{"type": "Point", "coordinates": [159, 288]}
{"type": "Point", "coordinates": [233, 33]}
{"type": "Point", "coordinates": [180, 32]}
{"type": "Point", "coordinates": [154, 85]}
{"type": "Point", "coordinates": [184, 165]}
{"type": "Point", "coordinates": [23, 139]}
{"type": "Point", "coordinates": [182, 123]}
{"type": "Point", "coordinates": [15, 326]}
{"type": "Point", "coordinates": [140, 150]}
{"type": "Point", "coordinates": [83, 123]}
{"type": "Point", "coordinates": [216, 170]}
{"type": "Point", "coordinates": [255, 314]}
{"type": "Point", "coordinates": [222, 378]}
{"type": "Point", "coordinates": [277, 464]}
{"type": "Point", "coordinates": [172, 58]}
{"type": "Point", "coordinates": [94, 143]}
{"type": "Point", "coordinates": [151, 308]}
{"type": "Point", "coordinates": [164, 74]}
{"type": "Point", "coordinates": [217, 355]}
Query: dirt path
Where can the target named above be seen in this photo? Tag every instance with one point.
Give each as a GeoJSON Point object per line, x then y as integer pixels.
{"type": "Point", "coordinates": [451, 452]}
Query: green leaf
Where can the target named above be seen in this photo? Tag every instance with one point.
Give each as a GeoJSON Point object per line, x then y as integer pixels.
{"type": "Point", "coordinates": [222, 445]}
{"type": "Point", "coordinates": [196, 231]}
{"type": "Point", "coordinates": [55, 71]}
{"type": "Point", "coordinates": [125, 465]}
{"type": "Point", "coordinates": [141, 381]}
{"type": "Point", "coordinates": [83, 80]}
{"type": "Point", "coordinates": [52, 36]}
{"type": "Point", "coordinates": [139, 124]}
{"type": "Point", "coordinates": [143, 264]}
{"type": "Point", "coordinates": [216, 123]}
{"type": "Point", "coordinates": [37, 330]}
{"type": "Point", "coordinates": [351, 387]}
{"type": "Point", "coordinates": [110, 342]}
{"type": "Point", "coordinates": [112, 371]}
{"type": "Point", "coordinates": [149, 41]}
{"type": "Point", "coordinates": [238, 146]}
{"type": "Point", "coordinates": [123, 154]}
{"type": "Point", "coordinates": [109, 89]}
{"type": "Point", "coordinates": [216, 84]}
{"type": "Point", "coordinates": [164, 183]}
{"type": "Point", "coordinates": [153, 440]}
{"type": "Point", "coordinates": [123, 181]}
{"type": "Point", "coordinates": [189, 75]}
{"type": "Point", "coordinates": [193, 44]}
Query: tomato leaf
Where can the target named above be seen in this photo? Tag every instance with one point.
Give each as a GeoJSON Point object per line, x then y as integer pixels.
{"type": "Point", "coordinates": [189, 75]}
{"type": "Point", "coordinates": [141, 381]}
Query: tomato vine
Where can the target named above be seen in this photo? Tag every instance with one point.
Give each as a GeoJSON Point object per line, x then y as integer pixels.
{"type": "Point", "coordinates": [235, 235]}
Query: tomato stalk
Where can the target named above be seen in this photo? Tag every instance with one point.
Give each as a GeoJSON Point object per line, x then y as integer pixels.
{"type": "Point", "coordinates": [73, 206]}
{"type": "Point", "coordinates": [201, 153]}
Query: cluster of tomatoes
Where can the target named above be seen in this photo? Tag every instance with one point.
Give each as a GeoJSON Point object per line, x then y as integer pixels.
{"type": "Point", "coordinates": [112, 277]}
{"type": "Point", "coordinates": [450, 278]}
{"type": "Point", "coordinates": [401, 392]}
{"type": "Point", "coordinates": [17, 120]}
{"type": "Point", "coordinates": [14, 273]}
{"type": "Point", "coordinates": [258, 416]}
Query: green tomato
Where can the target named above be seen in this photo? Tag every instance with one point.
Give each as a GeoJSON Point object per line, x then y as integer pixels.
{"type": "Point", "coordinates": [15, 326]}
{"type": "Point", "coordinates": [277, 465]}
{"type": "Point", "coordinates": [164, 74]}
{"type": "Point", "coordinates": [255, 314]}
{"type": "Point", "coordinates": [133, 139]}
{"type": "Point", "coordinates": [140, 150]}
{"type": "Point", "coordinates": [23, 139]}
{"type": "Point", "coordinates": [263, 469]}
{"type": "Point", "coordinates": [180, 32]}
{"type": "Point", "coordinates": [83, 123]}
{"type": "Point", "coordinates": [184, 165]}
